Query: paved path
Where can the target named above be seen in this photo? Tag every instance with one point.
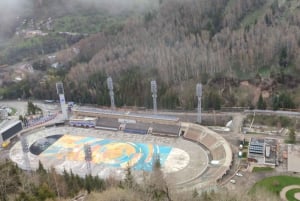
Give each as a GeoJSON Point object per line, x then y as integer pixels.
{"type": "Point", "coordinates": [237, 123]}
{"type": "Point", "coordinates": [285, 190]}
{"type": "Point", "coordinates": [297, 196]}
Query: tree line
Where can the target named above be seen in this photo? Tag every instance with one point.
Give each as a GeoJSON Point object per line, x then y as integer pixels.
{"type": "Point", "coordinates": [43, 185]}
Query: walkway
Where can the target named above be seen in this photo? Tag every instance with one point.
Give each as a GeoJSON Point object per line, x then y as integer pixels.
{"type": "Point", "coordinates": [286, 189]}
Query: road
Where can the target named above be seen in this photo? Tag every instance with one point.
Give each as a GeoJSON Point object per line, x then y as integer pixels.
{"type": "Point", "coordinates": [272, 112]}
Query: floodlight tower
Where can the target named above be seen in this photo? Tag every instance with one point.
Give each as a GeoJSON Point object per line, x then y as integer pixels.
{"type": "Point", "coordinates": [88, 158]}
{"type": "Point", "coordinates": [110, 87]}
{"type": "Point", "coordinates": [62, 100]}
{"type": "Point", "coordinates": [199, 95]}
{"type": "Point", "coordinates": [25, 150]}
{"type": "Point", "coordinates": [154, 95]}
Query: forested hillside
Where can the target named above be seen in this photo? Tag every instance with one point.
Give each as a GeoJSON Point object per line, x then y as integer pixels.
{"type": "Point", "coordinates": [239, 49]}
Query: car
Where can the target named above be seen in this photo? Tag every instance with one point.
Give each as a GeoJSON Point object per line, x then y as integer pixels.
{"type": "Point", "coordinates": [239, 174]}
{"type": "Point", "coordinates": [232, 181]}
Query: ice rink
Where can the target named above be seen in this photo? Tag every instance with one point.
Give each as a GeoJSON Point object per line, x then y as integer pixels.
{"type": "Point", "coordinates": [107, 152]}
{"type": "Point", "coordinates": [62, 148]}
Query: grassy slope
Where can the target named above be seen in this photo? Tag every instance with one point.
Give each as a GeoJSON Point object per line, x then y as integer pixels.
{"type": "Point", "coordinates": [276, 184]}
{"type": "Point", "coordinates": [262, 169]}
{"type": "Point", "coordinates": [259, 13]}
{"type": "Point", "coordinates": [87, 23]}
{"type": "Point", "coordinates": [254, 16]}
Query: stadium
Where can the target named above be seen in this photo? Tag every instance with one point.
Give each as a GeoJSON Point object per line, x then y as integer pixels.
{"type": "Point", "coordinates": [191, 156]}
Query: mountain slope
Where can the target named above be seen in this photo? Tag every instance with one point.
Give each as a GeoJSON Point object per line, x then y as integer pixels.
{"type": "Point", "coordinates": [182, 43]}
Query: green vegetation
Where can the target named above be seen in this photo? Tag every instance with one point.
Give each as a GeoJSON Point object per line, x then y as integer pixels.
{"type": "Point", "coordinates": [276, 184]}
{"type": "Point", "coordinates": [290, 195]}
{"type": "Point", "coordinates": [261, 104]}
{"type": "Point", "coordinates": [244, 154]}
{"type": "Point", "coordinates": [212, 101]}
{"type": "Point", "coordinates": [283, 101]}
{"type": "Point", "coordinates": [44, 185]}
{"type": "Point", "coordinates": [13, 111]}
{"type": "Point", "coordinates": [29, 48]}
{"type": "Point", "coordinates": [273, 121]}
{"type": "Point", "coordinates": [292, 136]}
{"type": "Point", "coordinates": [264, 72]}
{"type": "Point", "coordinates": [262, 169]}
{"type": "Point", "coordinates": [254, 16]}
{"type": "Point", "coordinates": [32, 109]}
{"type": "Point", "coordinates": [236, 48]}
{"type": "Point", "coordinates": [89, 23]}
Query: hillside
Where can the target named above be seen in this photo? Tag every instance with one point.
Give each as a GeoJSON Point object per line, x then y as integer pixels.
{"type": "Point", "coordinates": [239, 50]}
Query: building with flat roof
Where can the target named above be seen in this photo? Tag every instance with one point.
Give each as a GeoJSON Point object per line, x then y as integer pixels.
{"type": "Point", "coordinates": [263, 151]}
{"type": "Point", "coordinates": [10, 131]}
{"type": "Point", "coordinates": [293, 158]}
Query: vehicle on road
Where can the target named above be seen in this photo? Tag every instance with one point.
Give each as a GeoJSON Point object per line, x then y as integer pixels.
{"type": "Point", "coordinates": [239, 174]}
{"type": "Point", "coordinates": [232, 181]}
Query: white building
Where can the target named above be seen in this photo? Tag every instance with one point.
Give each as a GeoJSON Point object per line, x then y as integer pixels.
{"type": "Point", "coordinates": [293, 158]}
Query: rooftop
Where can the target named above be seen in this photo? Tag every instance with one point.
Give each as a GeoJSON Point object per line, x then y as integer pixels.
{"type": "Point", "coordinates": [293, 158]}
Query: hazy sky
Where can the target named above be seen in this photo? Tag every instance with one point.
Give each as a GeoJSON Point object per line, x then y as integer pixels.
{"type": "Point", "coordinates": [11, 9]}
{"type": "Point", "coordinates": [13, 6]}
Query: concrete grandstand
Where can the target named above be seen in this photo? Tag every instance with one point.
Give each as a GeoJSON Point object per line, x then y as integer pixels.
{"type": "Point", "coordinates": [217, 147]}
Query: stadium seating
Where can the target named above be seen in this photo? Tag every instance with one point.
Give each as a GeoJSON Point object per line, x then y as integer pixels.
{"type": "Point", "coordinates": [208, 141]}
{"type": "Point", "coordinates": [218, 153]}
{"type": "Point", "coordinates": [193, 135]}
{"type": "Point", "coordinates": [165, 130]}
{"type": "Point", "coordinates": [218, 148]}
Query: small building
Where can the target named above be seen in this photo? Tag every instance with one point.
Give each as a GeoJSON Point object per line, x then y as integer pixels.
{"type": "Point", "coordinates": [263, 151]}
{"type": "Point", "coordinates": [293, 158]}
{"type": "Point", "coordinates": [10, 131]}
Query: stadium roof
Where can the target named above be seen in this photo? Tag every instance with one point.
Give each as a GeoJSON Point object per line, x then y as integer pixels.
{"type": "Point", "coordinates": [9, 126]}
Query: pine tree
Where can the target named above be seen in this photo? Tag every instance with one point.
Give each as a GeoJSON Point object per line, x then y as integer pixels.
{"type": "Point", "coordinates": [129, 180]}
{"type": "Point", "coordinates": [292, 136]}
{"type": "Point", "coordinates": [261, 104]}
{"type": "Point", "coordinates": [41, 170]}
{"type": "Point", "coordinates": [88, 183]}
